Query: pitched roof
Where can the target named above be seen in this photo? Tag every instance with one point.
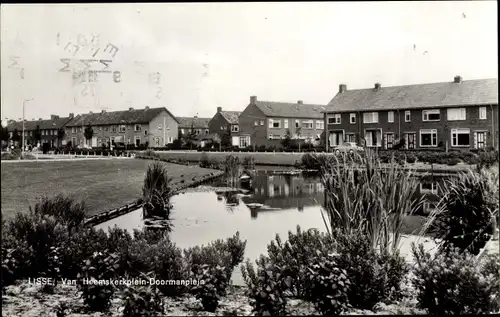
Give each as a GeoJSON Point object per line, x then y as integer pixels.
{"type": "Point", "coordinates": [231, 116]}
{"type": "Point", "coordinates": [43, 124]}
{"type": "Point", "coordinates": [466, 93]}
{"type": "Point", "coordinates": [290, 110]}
{"type": "Point", "coordinates": [118, 117]}
{"type": "Point", "coordinates": [187, 122]}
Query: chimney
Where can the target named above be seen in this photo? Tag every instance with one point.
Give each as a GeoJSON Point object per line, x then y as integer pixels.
{"type": "Point", "coordinates": [342, 88]}
{"type": "Point", "coordinates": [103, 111]}
{"type": "Point", "coordinates": [147, 108]}
{"type": "Point", "coordinates": [53, 117]}
{"type": "Point", "coordinates": [219, 109]}
{"type": "Point", "coordinates": [377, 86]}
{"type": "Point", "coordinates": [300, 102]}
{"type": "Point", "coordinates": [458, 79]}
{"type": "Point", "coordinates": [130, 109]}
{"type": "Point", "coordinates": [71, 115]}
{"type": "Point", "coordinates": [253, 99]}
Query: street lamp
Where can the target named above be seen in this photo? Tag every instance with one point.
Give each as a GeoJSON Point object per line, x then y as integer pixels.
{"type": "Point", "coordinates": [23, 145]}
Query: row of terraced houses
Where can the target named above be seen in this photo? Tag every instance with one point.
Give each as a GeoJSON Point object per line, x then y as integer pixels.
{"type": "Point", "coordinates": [457, 114]}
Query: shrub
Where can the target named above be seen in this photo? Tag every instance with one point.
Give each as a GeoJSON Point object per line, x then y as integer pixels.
{"type": "Point", "coordinates": [328, 286]}
{"type": "Point", "coordinates": [213, 287]}
{"type": "Point", "coordinates": [410, 158]}
{"type": "Point", "coordinates": [16, 260]}
{"type": "Point", "coordinates": [453, 283]}
{"type": "Point", "coordinates": [39, 233]}
{"type": "Point", "coordinates": [150, 153]}
{"type": "Point", "coordinates": [374, 276]}
{"type": "Point", "coordinates": [267, 287]}
{"type": "Point", "coordinates": [99, 267]}
{"type": "Point", "coordinates": [64, 209]}
{"type": "Point", "coordinates": [79, 247]}
{"type": "Point", "coordinates": [204, 160]}
{"type": "Point", "coordinates": [156, 191]}
{"type": "Point", "coordinates": [464, 214]}
{"type": "Point", "coordinates": [144, 300]}
{"type": "Point", "coordinates": [232, 169]}
{"type": "Point", "coordinates": [297, 253]}
{"type": "Point", "coordinates": [452, 161]}
{"type": "Point", "coordinates": [168, 264]}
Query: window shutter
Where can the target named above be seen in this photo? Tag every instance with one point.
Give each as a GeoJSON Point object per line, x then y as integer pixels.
{"type": "Point", "coordinates": [475, 140]}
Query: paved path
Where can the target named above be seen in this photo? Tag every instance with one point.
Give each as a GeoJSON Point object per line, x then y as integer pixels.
{"type": "Point", "coordinates": [69, 159]}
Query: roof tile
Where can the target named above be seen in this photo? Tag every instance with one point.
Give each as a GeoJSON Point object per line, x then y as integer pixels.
{"type": "Point", "coordinates": [290, 110]}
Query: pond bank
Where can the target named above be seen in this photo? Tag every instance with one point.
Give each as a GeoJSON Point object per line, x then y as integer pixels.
{"type": "Point", "coordinates": [291, 159]}
{"type": "Point", "coordinates": [24, 299]}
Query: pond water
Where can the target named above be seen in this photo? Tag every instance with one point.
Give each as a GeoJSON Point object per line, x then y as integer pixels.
{"type": "Point", "coordinates": [274, 205]}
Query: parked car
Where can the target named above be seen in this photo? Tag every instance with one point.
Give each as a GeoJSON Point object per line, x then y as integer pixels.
{"type": "Point", "coordinates": [119, 145]}
{"type": "Point", "coordinates": [348, 147]}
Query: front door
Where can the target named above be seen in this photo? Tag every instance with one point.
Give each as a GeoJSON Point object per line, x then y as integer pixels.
{"type": "Point", "coordinates": [157, 141]}
{"type": "Point", "coordinates": [481, 140]}
{"type": "Point", "coordinates": [411, 140]}
{"type": "Point", "coordinates": [389, 140]}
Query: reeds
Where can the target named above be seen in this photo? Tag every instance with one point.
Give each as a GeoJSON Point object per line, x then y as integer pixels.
{"type": "Point", "coordinates": [363, 196]}
{"type": "Point", "coordinates": [156, 192]}
{"type": "Point", "coordinates": [232, 170]}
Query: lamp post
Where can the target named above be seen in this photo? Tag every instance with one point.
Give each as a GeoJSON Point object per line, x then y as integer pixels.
{"type": "Point", "coordinates": [23, 145]}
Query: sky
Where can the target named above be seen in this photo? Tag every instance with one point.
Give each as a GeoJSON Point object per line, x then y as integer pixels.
{"type": "Point", "coordinates": [194, 57]}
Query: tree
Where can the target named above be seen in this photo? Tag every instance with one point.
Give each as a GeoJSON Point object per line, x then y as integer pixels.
{"type": "Point", "coordinates": [298, 132]}
{"type": "Point", "coordinates": [37, 134]}
{"type": "Point", "coordinates": [16, 137]}
{"type": "Point", "coordinates": [60, 135]}
{"type": "Point", "coordinates": [225, 139]}
{"type": "Point", "coordinates": [190, 137]}
{"type": "Point", "coordinates": [4, 134]}
{"type": "Point", "coordinates": [88, 133]}
{"type": "Point", "coordinates": [286, 142]}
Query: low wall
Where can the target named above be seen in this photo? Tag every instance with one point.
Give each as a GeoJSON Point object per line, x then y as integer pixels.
{"type": "Point", "coordinates": [116, 212]}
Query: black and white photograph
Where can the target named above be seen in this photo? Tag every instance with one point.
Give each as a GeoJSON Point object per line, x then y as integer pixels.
{"type": "Point", "coordinates": [250, 158]}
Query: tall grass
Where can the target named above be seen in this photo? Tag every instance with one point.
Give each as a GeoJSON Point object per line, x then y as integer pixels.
{"type": "Point", "coordinates": [363, 196]}
{"type": "Point", "coordinates": [232, 170]}
{"type": "Point", "coordinates": [466, 216]}
{"type": "Point", "coordinates": [63, 208]}
{"type": "Point", "coordinates": [156, 192]}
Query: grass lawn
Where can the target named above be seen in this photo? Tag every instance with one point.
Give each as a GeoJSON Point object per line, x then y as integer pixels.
{"type": "Point", "coordinates": [102, 184]}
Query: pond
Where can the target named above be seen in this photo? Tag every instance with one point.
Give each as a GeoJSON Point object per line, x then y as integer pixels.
{"type": "Point", "coordinates": [273, 205]}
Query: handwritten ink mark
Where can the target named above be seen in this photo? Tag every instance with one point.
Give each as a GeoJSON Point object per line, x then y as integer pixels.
{"type": "Point", "coordinates": [105, 63]}
{"type": "Point", "coordinates": [112, 49]}
{"type": "Point", "coordinates": [22, 73]}
{"type": "Point", "coordinates": [66, 61]}
{"type": "Point", "coordinates": [463, 15]}
{"type": "Point", "coordinates": [14, 60]}
{"type": "Point", "coordinates": [58, 38]}
{"type": "Point", "coordinates": [158, 93]}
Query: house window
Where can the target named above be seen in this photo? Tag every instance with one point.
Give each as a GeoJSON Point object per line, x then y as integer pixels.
{"type": "Point", "coordinates": [297, 124]}
{"type": "Point", "coordinates": [73, 141]}
{"type": "Point", "coordinates": [407, 116]}
{"type": "Point", "coordinates": [352, 118]}
{"type": "Point", "coordinates": [370, 117]}
{"type": "Point", "coordinates": [182, 131]}
{"type": "Point", "coordinates": [261, 122]}
{"type": "Point", "coordinates": [100, 128]}
{"type": "Point", "coordinates": [128, 140]}
{"type": "Point", "coordinates": [73, 130]}
{"type": "Point", "coordinates": [335, 119]}
{"type": "Point", "coordinates": [137, 140]}
{"type": "Point", "coordinates": [112, 140]}
{"type": "Point", "coordinates": [428, 138]}
{"type": "Point", "coordinates": [105, 128]}
{"type": "Point", "coordinates": [206, 131]}
{"type": "Point", "coordinates": [99, 141]}
{"type": "Point", "coordinates": [320, 124]}
{"type": "Point", "coordinates": [137, 127]}
{"type": "Point", "coordinates": [460, 137]}
{"type": "Point", "coordinates": [234, 128]}
{"type": "Point", "coordinates": [373, 138]}
{"type": "Point", "coordinates": [390, 116]}
{"type": "Point", "coordinates": [428, 187]}
{"type": "Point", "coordinates": [145, 132]}
{"type": "Point", "coordinates": [482, 113]}
{"type": "Point", "coordinates": [456, 114]}
{"type": "Point", "coordinates": [256, 123]}
{"type": "Point", "coordinates": [285, 123]}
{"type": "Point", "coordinates": [431, 115]}
{"type": "Point", "coordinates": [244, 141]}
{"type": "Point", "coordinates": [123, 128]}
{"type": "Point", "coordinates": [113, 128]}
{"type": "Point", "coordinates": [274, 123]}
{"type": "Point", "coordinates": [307, 124]}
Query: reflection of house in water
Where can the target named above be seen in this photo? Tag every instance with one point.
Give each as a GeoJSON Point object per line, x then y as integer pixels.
{"type": "Point", "coordinates": [429, 189]}
{"type": "Point", "coordinates": [285, 191]}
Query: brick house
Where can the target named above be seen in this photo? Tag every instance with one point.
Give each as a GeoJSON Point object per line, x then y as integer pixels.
{"type": "Point", "coordinates": [193, 124]}
{"type": "Point", "coordinates": [155, 127]}
{"type": "Point", "coordinates": [225, 122]}
{"type": "Point", "coordinates": [267, 122]}
{"type": "Point", "coordinates": [48, 130]}
{"type": "Point", "coordinates": [453, 115]}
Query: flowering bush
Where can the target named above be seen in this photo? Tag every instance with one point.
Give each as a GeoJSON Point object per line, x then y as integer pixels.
{"type": "Point", "coordinates": [142, 301]}
{"type": "Point", "coordinates": [453, 283]}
